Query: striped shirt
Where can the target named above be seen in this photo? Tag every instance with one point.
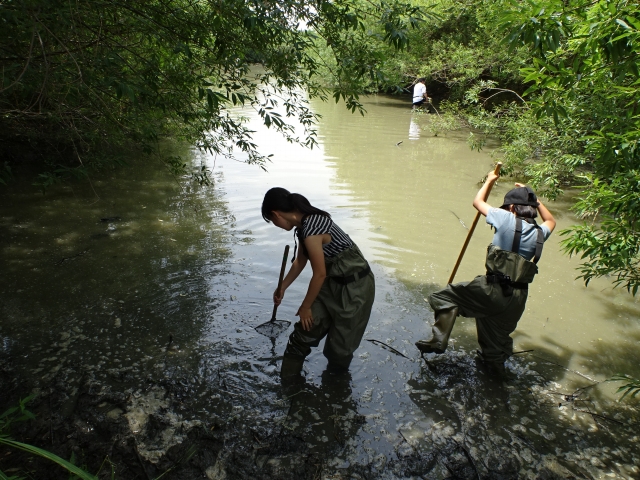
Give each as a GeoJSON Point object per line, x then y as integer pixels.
{"type": "Point", "coordinates": [319, 225]}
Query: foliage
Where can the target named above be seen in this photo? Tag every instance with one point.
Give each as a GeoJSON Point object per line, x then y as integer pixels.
{"type": "Point", "coordinates": [82, 79]}
{"type": "Point", "coordinates": [458, 50]}
{"type": "Point", "coordinates": [15, 414]}
{"type": "Point", "coordinates": [20, 413]}
{"type": "Point", "coordinates": [585, 79]}
{"type": "Point", "coordinates": [69, 466]}
{"type": "Point", "coordinates": [632, 387]}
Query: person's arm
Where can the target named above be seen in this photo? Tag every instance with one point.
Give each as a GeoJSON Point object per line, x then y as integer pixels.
{"type": "Point", "coordinates": [479, 202]}
{"type": "Point", "coordinates": [546, 216]}
{"type": "Point", "coordinates": [316, 257]}
{"type": "Point", "coordinates": [296, 268]}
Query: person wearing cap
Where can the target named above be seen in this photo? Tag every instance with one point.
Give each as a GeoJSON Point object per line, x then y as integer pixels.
{"type": "Point", "coordinates": [496, 300]}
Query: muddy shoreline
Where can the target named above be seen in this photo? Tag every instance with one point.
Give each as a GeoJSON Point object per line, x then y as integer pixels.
{"type": "Point", "coordinates": [152, 430]}
{"type": "Point", "coordinates": [113, 433]}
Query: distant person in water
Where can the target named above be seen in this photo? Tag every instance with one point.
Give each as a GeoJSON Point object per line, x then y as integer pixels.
{"type": "Point", "coordinates": [420, 93]}
{"type": "Point", "coordinates": [341, 291]}
{"type": "Point", "coordinates": [496, 300]}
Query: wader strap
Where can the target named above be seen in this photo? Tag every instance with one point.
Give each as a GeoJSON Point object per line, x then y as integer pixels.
{"type": "Point", "coordinates": [352, 278]}
{"type": "Point", "coordinates": [516, 238]}
{"type": "Point", "coordinates": [518, 235]}
{"type": "Point", "coordinates": [539, 244]}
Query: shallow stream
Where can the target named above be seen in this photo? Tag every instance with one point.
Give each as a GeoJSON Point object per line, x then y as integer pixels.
{"type": "Point", "coordinates": [139, 284]}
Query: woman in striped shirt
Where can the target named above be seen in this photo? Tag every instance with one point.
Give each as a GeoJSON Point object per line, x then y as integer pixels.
{"type": "Point", "coordinates": [341, 291]}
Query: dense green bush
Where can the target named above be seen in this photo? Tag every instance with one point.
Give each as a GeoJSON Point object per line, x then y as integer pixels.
{"type": "Point", "coordinates": [585, 85]}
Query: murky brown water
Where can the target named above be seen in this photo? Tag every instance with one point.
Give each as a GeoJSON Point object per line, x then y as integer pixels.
{"type": "Point", "coordinates": [84, 297]}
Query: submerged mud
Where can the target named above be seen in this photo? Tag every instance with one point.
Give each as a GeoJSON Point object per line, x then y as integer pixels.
{"type": "Point", "coordinates": [460, 423]}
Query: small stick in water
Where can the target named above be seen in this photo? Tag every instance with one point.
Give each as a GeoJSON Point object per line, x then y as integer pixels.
{"type": "Point", "coordinates": [563, 367]}
{"type": "Point", "coordinates": [459, 219]}
{"type": "Point", "coordinates": [387, 346]}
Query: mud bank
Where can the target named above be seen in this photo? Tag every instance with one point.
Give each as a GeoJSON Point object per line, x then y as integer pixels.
{"type": "Point", "coordinates": [154, 429]}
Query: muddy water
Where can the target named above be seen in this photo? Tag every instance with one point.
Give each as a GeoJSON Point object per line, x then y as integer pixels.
{"type": "Point", "coordinates": [135, 285]}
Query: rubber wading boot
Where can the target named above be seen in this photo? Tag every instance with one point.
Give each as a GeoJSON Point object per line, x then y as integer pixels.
{"type": "Point", "coordinates": [336, 369]}
{"type": "Point", "coordinates": [291, 366]}
{"type": "Point", "coordinates": [441, 332]}
{"type": "Point", "coordinates": [495, 369]}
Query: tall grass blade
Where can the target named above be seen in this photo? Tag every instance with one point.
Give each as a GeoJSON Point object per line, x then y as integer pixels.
{"type": "Point", "coordinates": [49, 456]}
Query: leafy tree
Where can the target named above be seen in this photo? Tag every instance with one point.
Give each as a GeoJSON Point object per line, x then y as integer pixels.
{"type": "Point", "coordinates": [458, 50]}
{"type": "Point", "coordinates": [585, 83]}
{"type": "Point", "coordinates": [87, 77]}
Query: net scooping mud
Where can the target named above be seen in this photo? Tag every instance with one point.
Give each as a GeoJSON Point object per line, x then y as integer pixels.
{"type": "Point", "coordinates": [273, 329]}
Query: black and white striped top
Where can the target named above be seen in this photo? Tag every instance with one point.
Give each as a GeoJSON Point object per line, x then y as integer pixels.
{"type": "Point", "coordinates": [319, 225]}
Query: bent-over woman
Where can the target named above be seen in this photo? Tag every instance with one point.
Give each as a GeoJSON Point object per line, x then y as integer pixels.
{"type": "Point", "coordinates": [341, 291]}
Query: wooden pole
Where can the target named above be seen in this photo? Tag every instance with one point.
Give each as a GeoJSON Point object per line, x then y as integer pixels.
{"type": "Point", "coordinates": [473, 227]}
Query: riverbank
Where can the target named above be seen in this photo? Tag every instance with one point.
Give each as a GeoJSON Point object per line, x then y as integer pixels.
{"type": "Point", "coordinates": [523, 429]}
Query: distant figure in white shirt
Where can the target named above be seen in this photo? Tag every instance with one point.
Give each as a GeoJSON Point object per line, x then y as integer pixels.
{"type": "Point", "coordinates": [420, 93]}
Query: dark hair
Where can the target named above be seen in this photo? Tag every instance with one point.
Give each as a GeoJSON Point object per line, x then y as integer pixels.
{"type": "Point", "coordinates": [525, 211]}
{"type": "Point", "coordinates": [281, 199]}
{"type": "Point", "coordinates": [422, 79]}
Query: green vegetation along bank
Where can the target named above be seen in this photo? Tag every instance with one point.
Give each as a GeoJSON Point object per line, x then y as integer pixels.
{"type": "Point", "coordinates": [558, 83]}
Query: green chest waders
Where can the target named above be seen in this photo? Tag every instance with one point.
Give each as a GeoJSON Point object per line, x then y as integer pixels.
{"type": "Point", "coordinates": [340, 312]}
{"type": "Point", "coordinates": [496, 300]}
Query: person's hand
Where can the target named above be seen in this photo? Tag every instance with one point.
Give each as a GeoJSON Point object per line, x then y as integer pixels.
{"type": "Point", "coordinates": [520, 185]}
{"type": "Point", "coordinates": [492, 177]}
{"type": "Point", "coordinates": [277, 296]}
{"type": "Point", "coordinates": [306, 319]}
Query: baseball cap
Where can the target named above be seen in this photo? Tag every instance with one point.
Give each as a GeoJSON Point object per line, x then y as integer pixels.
{"type": "Point", "coordinates": [520, 196]}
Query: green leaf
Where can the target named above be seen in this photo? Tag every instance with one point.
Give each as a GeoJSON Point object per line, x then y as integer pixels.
{"type": "Point", "coordinates": [49, 456]}
{"type": "Point", "coordinates": [622, 23]}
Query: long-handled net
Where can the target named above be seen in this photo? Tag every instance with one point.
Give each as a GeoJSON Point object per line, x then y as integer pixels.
{"type": "Point", "coordinates": [275, 327]}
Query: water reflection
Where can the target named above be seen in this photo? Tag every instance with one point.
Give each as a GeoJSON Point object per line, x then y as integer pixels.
{"type": "Point", "coordinates": [325, 414]}
{"type": "Point", "coordinates": [414, 129]}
